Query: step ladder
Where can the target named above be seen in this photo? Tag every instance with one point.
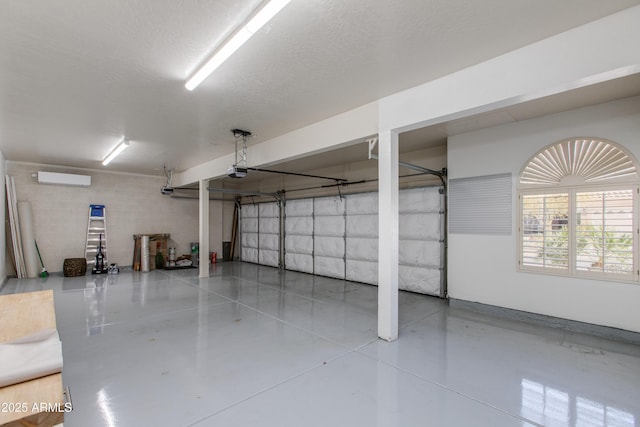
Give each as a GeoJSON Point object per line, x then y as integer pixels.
{"type": "Point", "coordinates": [96, 227]}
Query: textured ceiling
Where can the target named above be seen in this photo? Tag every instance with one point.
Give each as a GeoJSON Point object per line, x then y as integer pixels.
{"type": "Point", "coordinates": [77, 75]}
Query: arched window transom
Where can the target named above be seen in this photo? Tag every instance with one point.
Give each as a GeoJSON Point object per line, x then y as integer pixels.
{"type": "Point", "coordinates": [578, 161]}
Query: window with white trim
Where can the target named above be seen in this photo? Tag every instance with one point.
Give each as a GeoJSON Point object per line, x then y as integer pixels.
{"type": "Point", "coordinates": [578, 211]}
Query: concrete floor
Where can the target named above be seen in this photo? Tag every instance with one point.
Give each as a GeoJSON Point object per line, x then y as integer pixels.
{"type": "Point", "coordinates": [253, 346]}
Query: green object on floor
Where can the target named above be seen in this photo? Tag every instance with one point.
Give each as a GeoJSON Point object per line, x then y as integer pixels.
{"type": "Point", "coordinates": [44, 273]}
{"type": "Point", "coordinates": [159, 260]}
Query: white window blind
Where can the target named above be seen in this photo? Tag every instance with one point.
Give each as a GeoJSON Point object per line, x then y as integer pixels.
{"type": "Point", "coordinates": [481, 205]}
{"type": "Point", "coordinates": [544, 230]}
{"type": "Point", "coordinates": [604, 231]}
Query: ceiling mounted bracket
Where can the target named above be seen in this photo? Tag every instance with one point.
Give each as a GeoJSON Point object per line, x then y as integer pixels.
{"type": "Point", "coordinates": [241, 147]}
{"type": "Point", "coordinates": [279, 196]}
{"type": "Point", "coordinates": [372, 144]}
{"type": "Point", "coordinates": [239, 133]}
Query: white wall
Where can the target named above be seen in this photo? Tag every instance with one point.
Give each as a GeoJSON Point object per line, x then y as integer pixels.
{"type": "Point", "coordinates": [484, 268]}
{"type": "Point", "coordinates": [134, 206]}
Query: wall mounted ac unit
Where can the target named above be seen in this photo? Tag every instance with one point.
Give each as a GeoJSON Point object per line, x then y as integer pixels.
{"type": "Point", "coordinates": [63, 179]}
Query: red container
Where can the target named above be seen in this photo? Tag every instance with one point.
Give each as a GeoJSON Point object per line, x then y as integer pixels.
{"type": "Point", "coordinates": [214, 257]}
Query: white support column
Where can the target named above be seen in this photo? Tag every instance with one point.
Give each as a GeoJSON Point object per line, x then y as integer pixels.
{"type": "Point", "coordinates": [388, 188]}
{"type": "Point", "coordinates": [203, 239]}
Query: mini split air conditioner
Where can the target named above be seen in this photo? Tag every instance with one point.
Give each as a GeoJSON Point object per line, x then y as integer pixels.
{"type": "Point", "coordinates": [63, 179]}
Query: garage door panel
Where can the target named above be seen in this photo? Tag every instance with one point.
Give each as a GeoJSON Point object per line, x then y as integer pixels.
{"type": "Point", "coordinates": [301, 207]}
{"type": "Point", "coordinates": [268, 257]}
{"type": "Point", "coordinates": [338, 237]}
{"type": "Point", "coordinates": [424, 226]}
{"type": "Point", "coordinates": [329, 266]}
{"type": "Point", "coordinates": [249, 225]}
{"type": "Point", "coordinates": [269, 241]}
{"type": "Point", "coordinates": [299, 225]}
{"type": "Point", "coordinates": [362, 226]}
{"type": "Point", "coordinates": [362, 271]}
{"type": "Point", "coordinates": [365, 203]}
{"type": "Point", "coordinates": [269, 225]}
{"type": "Point", "coordinates": [249, 211]}
{"type": "Point", "coordinates": [269, 234]}
{"type": "Point", "coordinates": [299, 262]}
{"type": "Point", "coordinates": [362, 238]}
{"type": "Point", "coordinates": [328, 206]}
{"type": "Point", "coordinates": [329, 246]}
{"type": "Point", "coordinates": [299, 244]}
{"type": "Point", "coordinates": [419, 200]}
{"type": "Point", "coordinates": [419, 253]}
{"type": "Point", "coordinates": [362, 249]}
{"type": "Point", "coordinates": [329, 229]}
{"type": "Point", "coordinates": [250, 255]}
{"type": "Point", "coordinates": [250, 240]}
{"type": "Point", "coordinates": [329, 226]}
{"type": "Point", "coordinates": [419, 245]}
{"type": "Point", "coordinates": [419, 279]}
{"type": "Point", "coordinates": [260, 233]}
{"type": "Point", "coordinates": [268, 210]}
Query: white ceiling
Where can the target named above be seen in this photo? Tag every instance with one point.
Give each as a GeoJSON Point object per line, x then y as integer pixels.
{"type": "Point", "coordinates": [76, 76]}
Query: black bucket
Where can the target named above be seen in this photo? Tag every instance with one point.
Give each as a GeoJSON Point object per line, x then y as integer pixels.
{"type": "Point", "coordinates": [226, 251]}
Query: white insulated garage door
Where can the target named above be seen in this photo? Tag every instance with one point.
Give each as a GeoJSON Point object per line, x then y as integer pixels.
{"type": "Point", "coordinates": [315, 236]}
{"type": "Point", "coordinates": [338, 238]}
{"type": "Point", "coordinates": [421, 240]}
{"type": "Point", "coordinates": [260, 228]}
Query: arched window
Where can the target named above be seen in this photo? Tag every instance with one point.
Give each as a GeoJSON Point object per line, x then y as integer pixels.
{"type": "Point", "coordinates": [578, 212]}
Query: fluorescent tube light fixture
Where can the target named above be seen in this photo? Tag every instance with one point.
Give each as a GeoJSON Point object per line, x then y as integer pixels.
{"type": "Point", "coordinates": [263, 16]}
{"type": "Point", "coordinates": [115, 152]}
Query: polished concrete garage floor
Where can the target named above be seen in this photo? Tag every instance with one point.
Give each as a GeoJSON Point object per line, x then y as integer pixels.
{"type": "Point", "coordinates": [253, 346]}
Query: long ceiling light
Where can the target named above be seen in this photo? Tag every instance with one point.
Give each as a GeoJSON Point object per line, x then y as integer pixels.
{"type": "Point", "coordinates": [115, 152]}
{"type": "Point", "coordinates": [263, 16]}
